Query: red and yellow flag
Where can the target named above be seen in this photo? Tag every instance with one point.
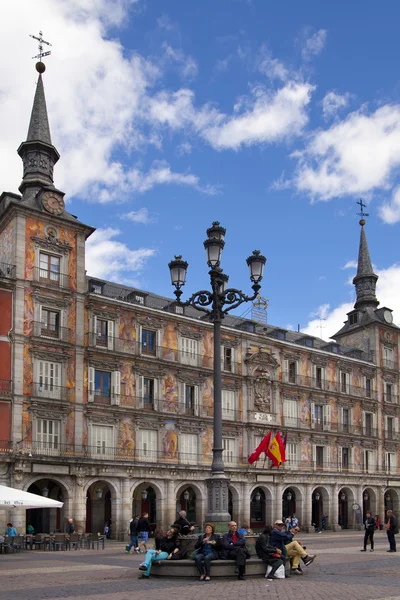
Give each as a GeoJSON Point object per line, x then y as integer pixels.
{"type": "Point", "coordinates": [276, 450]}
{"type": "Point", "coordinates": [262, 447]}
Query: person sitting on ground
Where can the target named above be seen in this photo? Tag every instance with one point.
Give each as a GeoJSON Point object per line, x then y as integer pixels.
{"type": "Point", "coordinates": [184, 526]}
{"type": "Point", "coordinates": [144, 529]}
{"type": "Point", "coordinates": [10, 530]}
{"type": "Point", "coordinates": [166, 546]}
{"type": "Point", "coordinates": [234, 548]}
{"type": "Point", "coordinates": [369, 526]}
{"type": "Point", "coordinates": [207, 550]}
{"type": "Point", "coordinates": [245, 529]}
{"type": "Point", "coordinates": [284, 541]}
{"type": "Point", "coordinates": [271, 556]}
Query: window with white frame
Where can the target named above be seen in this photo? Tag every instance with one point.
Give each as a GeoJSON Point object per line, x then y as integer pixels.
{"type": "Point", "coordinates": [388, 357]}
{"type": "Point", "coordinates": [49, 268]}
{"type": "Point", "coordinates": [390, 462]}
{"type": "Point", "coordinates": [189, 351]}
{"type": "Point", "coordinates": [48, 379]}
{"type": "Point", "coordinates": [48, 435]}
{"type": "Point", "coordinates": [102, 440]}
{"type": "Point", "coordinates": [369, 424]}
{"type": "Point", "coordinates": [344, 382]}
{"type": "Point", "coordinates": [290, 371]}
{"type": "Point", "coordinates": [344, 458]}
{"type": "Point", "coordinates": [228, 404]}
{"type": "Point", "coordinates": [369, 461]}
{"type": "Point", "coordinates": [149, 340]}
{"type": "Point", "coordinates": [368, 387]}
{"type": "Point", "coordinates": [50, 322]}
{"type": "Point", "coordinates": [148, 444]}
{"type": "Point", "coordinates": [320, 417]}
{"type": "Point", "coordinates": [228, 359]}
{"type": "Point", "coordinates": [104, 386]}
{"type": "Point", "coordinates": [391, 428]}
{"type": "Point", "coordinates": [321, 456]}
{"type": "Point", "coordinates": [229, 454]}
{"type": "Point", "coordinates": [290, 413]}
{"type": "Point", "coordinates": [103, 332]}
{"type": "Point", "coordinates": [188, 448]}
{"type": "Point", "coordinates": [318, 376]}
{"type": "Point", "coordinates": [148, 392]}
{"type": "Point", "coordinates": [189, 399]}
{"type": "Point", "coordinates": [292, 454]}
{"type": "Point", "coordinates": [389, 393]}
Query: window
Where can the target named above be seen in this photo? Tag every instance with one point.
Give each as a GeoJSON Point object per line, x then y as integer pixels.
{"type": "Point", "coordinates": [292, 371]}
{"type": "Point", "coordinates": [388, 392]}
{"type": "Point", "coordinates": [346, 420]}
{"type": "Point", "coordinates": [344, 382]}
{"type": "Point", "coordinates": [148, 390]}
{"type": "Point", "coordinates": [368, 424]}
{"type": "Point", "coordinates": [148, 393]}
{"type": "Point", "coordinates": [102, 385]}
{"type": "Point", "coordinates": [96, 288]}
{"type": "Point", "coordinates": [390, 462]}
{"type": "Point", "coordinates": [292, 454]}
{"type": "Point", "coordinates": [179, 310]}
{"type": "Point", "coordinates": [290, 413]}
{"type": "Point", "coordinates": [281, 335]}
{"type": "Point", "coordinates": [345, 458]}
{"type": "Point", "coordinates": [149, 341]}
{"type": "Point", "coordinates": [318, 377]}
{"type": "Point", "coordinates": [316, 416]}
{"type": "Point", "coordinates": [229, 454]}
{"type": "Point", "coordinates": [49, 379]}
{"type": "Point", "coordinates": [309, 342]}
{"type": "Point", "coordinates": [148, 445]}
{"type": "Point", "coordinates": [353, 318]}
{"type": "Point", "coordinates": [228, 405]}
{"type": "Point", "coordinates": [368, 387]}
{"type": "Point", "coordinates": [388, 357]}
{"type": "Point", "coordinates": [319, 456]}
{"type": "Point", "coordinates": [139, 299]}
{"type": "Point", "coordinates": [228, 359]}
{"type": "Point", "coordinates": [102, 440]}
{"type": "Point", "coordinates": [188, 448]}
{"type": "Point", "coordinates": [188, 351]}
{"type": "Point", "coordinates": [189, 399]}
{"type": "Point", "coordinates": [368, 461]}
{"type": "Point", "coordinates": [49, 268]}
{"type": "Point", "coordinates": [48, 435]}
{"type": "Point", "coordinates": [389, 428]}
{"type": "Point", "coordinates": [101, 332]}
{"type": "Point", "coordinates": [50, 323]}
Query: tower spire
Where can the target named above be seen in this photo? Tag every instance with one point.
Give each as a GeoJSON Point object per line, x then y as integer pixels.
{"type": "Point", "coordinates": [38, 154]}
{"type": "Point", "coordinates": [365, 280]}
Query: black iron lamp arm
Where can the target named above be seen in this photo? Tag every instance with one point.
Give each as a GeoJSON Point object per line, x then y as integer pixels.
{"type": "Point", "coordinates": [234, 298]}
{"type": "Point", "coordinates": [198, 300]}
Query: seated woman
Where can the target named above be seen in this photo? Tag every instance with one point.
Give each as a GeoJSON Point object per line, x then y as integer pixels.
{"type": "Point", "coordinates": [184, 526]}
{"type": "Point", "coordinates": [166, 546]}
{"type": "Point", "coordinates": [269, 554]}
{"type": "Point", "coordinates": [206, 546]}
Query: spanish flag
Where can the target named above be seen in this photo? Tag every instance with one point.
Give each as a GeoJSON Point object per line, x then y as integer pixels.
{"type": "Point", "coordinates": [262, 447]}
{"type": "Point", "coordinates": [276, 450]}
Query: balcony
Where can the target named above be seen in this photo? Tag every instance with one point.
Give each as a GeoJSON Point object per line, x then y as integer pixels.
{"type": "Point", "coordinates": [334, 467]}
{"type": "Point", "coordinates": [332, 427]}
{"type": "Point", "coordinates": [390, 398]}
{"type": "Point", "coordinates": [391, 435]}
{"type": "Point", "coordinates": [51, 278]}
{"type": "Point", "coordinates": [7, 271]}
{"type": "Point", "coordinates": [5, 388]}
{"type": "Point", "coordinates": [44, 331]}
{"type": "Point", "coordinates": [327, 385]}
{"type": "Point", "coordinates": [51, 391]}
{"type": "Point", "coordinates": [389, 364]}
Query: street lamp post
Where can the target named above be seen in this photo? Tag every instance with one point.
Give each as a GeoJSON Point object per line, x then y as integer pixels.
{"type": "Point", "coordinates": [216, 304]}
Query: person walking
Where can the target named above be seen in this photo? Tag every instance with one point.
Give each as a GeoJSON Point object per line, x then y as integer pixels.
{"type": "Point", "coordinates": [234, 548]}
{"type": "Point", "coordinates": [133, 531]}
{"type": "Point", "coordinates": [144, 529]}
{"type": "Point", "coordinates": [391, 529]}
{"type": "Point", "coordinates": [206, 551]}
{"type": "Point", "coordinates": [369, 527]}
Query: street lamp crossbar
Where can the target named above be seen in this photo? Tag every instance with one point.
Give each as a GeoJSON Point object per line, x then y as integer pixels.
{"type": "Point", "coordinates": [216, 304]}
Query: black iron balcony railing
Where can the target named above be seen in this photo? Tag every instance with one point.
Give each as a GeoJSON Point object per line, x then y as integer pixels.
{"type": "Point", "coordinates": [51, 278]}
{"type": "Point", "coordinates": [5, 387]}
{"type": "Point", "coordinates": [328, 385]}
{"type": "Point", "coordinates": [51, 391]}
{"type": "Point", "coordinates": [389, 364]}
{"type": "Point", "coordinates": [52, 332]}
{"type": "Point", "coordinates": [329, 426]}
{"type": "Point", "coordinates": [391, 435]}
{"type": "Point", "coordinates": [159, 352]}
{"type": "Point", "coordinates": [7, 271]}
{"type": "Point", "coordinates": [390, 398]}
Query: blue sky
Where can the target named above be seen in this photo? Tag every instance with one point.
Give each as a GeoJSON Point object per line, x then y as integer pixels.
{"type": "Point", "coordinates": [273, 118]}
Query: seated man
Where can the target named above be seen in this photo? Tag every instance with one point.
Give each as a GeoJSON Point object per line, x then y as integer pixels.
{"type": "Point", "coordinates": [283, 540]}
{"type": "Point", "coordinates": [234, 548]}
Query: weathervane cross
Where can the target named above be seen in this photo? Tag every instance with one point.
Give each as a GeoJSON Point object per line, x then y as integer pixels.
{"type": "Point", "coordinates": [41, 42]}
{"type": "Point", "coordinates": [362, 206]}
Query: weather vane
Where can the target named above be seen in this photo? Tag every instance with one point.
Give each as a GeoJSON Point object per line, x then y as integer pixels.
{"type": "Point", "coordinates": [362, 206]}
{"type": "Point", "coordinates": [40, 65]}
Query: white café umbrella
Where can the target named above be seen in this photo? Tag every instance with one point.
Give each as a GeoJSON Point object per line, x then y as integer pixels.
{"type": "Point", "coordinates": [13, 498]}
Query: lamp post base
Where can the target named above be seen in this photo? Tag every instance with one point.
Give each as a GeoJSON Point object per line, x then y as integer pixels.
{"type": "Point", "coordinates": [218, 503]}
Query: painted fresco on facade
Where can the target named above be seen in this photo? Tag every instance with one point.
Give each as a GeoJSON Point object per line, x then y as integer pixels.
{"type": "Point", "coordinates": [6, 245]}
{"type": "Point", "coordinates": [28, 312]}
{"type": "Point", "coordinates": [169, 344]}
{"type": "Point", "coordinates": [70, 378]}
{"type": "Point", "coordinates": [207, 444]}
{"type": "Point", "coordinates": [169, 441]}
{"type": "Point", "coordinates": [28, 370]}
{"type": "Point", "coordinates": [84, 434]}
{"type": "Point", "coordinates": [305, 408]}
{"type": "Point", "coordinates": [126, 437]}
{"type": "Point", "coordinates": [127, 332]}
{"type": "Point", "coordinates": [207, 398]}
{"type": "Point", "coordinates": [71, 319]}
{"type": "Point", "coordinates": [334, 414]}
{"type": "Point", "coordinates": [208, 349]}
{"type": "Point", "coordinates": [70, 430]}
{"type": "Point", "coordinates": [357, 456]}
{"type": "Point", "coordinates": [26, 424]}
{"type": "Point", "coordinates": [306, 454]}
{"type": "Point", "coordinates": [357, 417]}
{"type": "Point", "coordinates": [170, 395]}
{"type": "Point", "coordinates": [128, 385]}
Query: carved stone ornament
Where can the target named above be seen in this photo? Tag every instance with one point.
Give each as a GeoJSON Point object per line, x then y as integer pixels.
{"type": "Point", "coordinates": [191, 378]}
{"type": "Point", "coordinates": [102, 364]}
{"type": "Point", "coordinates": [230, 343]}
{"type": "Point", "coordinates": [262, 358]}
{"type": "Point", "coordinates": [149, 370]}
{"type": "Point", "coordinates": [51, 301]}
{"type": "Point", "coordinates": [95, 418]}
{"type": "Point", "coordinates": [188, 429]}
{"type": "Point", "coordinates": [233, 386]}
{"type": "Point", "coordinates": [51, 243]}
{"type": "Point", "coordinates": [53, 354]}
{"type": "Point", "coordinates": [189, 332]}
{"type": "Point", "coordinates": [142, 424]}
{"type": "Point", "coordinates": [109, 315]}
{"type": "Point", "coordinates": [51, 412]}
{"type": "Point", "coordinates": [263, 392]}
{"type": "Point", "coordinates": [389, 378]}
{"type": "Point", "coordinates": [319, 361]}
{"type": "Point", "coordinates": [368, 372]}
{"type": "Point", "coordinates": [149, 322]}
{"type": "Point", "coordinates": [291, 355]}
{"type": "Point", "coordinates": [319, 398]}
{"type": "Point", "coordinates": [344, 366]}
{"type": "Point", "coordinates": [291, 394]}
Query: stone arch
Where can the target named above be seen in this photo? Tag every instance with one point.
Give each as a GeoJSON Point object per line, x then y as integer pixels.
{"type": "Point", "coordinates": [234, 503]}
{"type": "Point", "coordinates": [320, 501]}
{"type": "Point", "coordinates": [48, 520]}
{"type": "Point", "coordinates": [194, 508]}
{"type": "Point", "coordinates": [265, 509]}
{"type": "Point", "coordinates": [370, 501]}
{"type": "Point", "coordinates": [104, 509]}
{"type": "Point", "coordinates": [294, 506]}
{"type": "Point", "coordinates": [153, 504]}
{"type": "Point", "coordinates": [391, 500]}
{"type": "Point", "coordinates": [346, 498]}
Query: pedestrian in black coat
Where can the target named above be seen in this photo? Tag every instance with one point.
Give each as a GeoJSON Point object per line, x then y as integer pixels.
{"type": "Point", "coordinates": [369, 527]}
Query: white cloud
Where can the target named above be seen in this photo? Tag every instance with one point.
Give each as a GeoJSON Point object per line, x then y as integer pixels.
{"type": "Point", "coordinates": [184, 149]}
{"type": "Point", "coordinates": [332, 103]}
{"type": "Point", "coordinates": [264, 117]}
{"type": "Point", "coordinates": [355, 156]}
{"type": "Point", "coordinates": [187, 65]}
{"type": "Point", "coordinates": [390, 211]}
{"type": "Point", "coordinates": [351, 264]}
{"type": "Point", "coordinates": [222, 65]}
{"type": "Point", "coordinates": [108, 258]}
{"type": "Point", "coordinates": [139, 216]}
{"type": "Point", "coordinates": [271, 67]}
{"type": "Point", "coordinates": [164, 22]}
{"type": "Point", "coordinates": [386, 290]}
{"type": "Point", "coordinates": [314, 44]}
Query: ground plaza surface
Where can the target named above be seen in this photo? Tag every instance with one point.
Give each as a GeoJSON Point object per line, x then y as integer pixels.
{"type": "Point", "coordinates": [340, 571]}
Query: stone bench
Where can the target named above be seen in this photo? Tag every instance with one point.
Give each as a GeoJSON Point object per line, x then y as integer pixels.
{"type": "Point", "coordinates": [219, 568]}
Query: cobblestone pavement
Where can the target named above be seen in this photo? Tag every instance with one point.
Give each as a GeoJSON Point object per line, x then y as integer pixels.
{"type": "Point", "coordinates": [340, 571]}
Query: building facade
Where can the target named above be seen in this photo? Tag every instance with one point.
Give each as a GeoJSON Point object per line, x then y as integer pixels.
{"type": "Point", "coordinates": [106, 392]}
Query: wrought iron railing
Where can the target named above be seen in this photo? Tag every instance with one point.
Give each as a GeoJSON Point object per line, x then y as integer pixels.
{"type": "Point", "coordinates": [51, 391]}
{"type": "Point", "coordinates": [329, 426]}
{"type": "Point", "coordinates": [53, 332]}
{"type": "Point", "coordinates": [7, 271]}
{"type": "Point", "coordinates": [328, 385]}
{"type": "Point", "coordinates": [51, 278]}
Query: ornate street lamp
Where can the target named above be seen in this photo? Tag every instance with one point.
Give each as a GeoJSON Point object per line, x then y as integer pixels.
{"type": "Point", "coordinates": [365, 496]}
{"type": "Point", "coordinates": [343, 496]}
{"type": "Point", "coordinates": [99, 494]}
{"type": "Point", "coordinates": [289, 496]}
{"type": "Point", "coordinates": [257, 497]}
{"type": "Point", "coordinates": [217, 304]}
{"type": "Point", "coordinates": [317, 496]}
{"type": "Point", "coordinates": [186, 495]}
{"type": "Point", "coordinates": [144, 495]}
{"type": "Point", "coordinates": [45, 492]}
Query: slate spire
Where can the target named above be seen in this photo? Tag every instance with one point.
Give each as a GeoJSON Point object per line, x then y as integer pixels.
{"type": "Point", "coordinates": [365, 280]}
{"type": "Point", "coordinates": [38, 154]}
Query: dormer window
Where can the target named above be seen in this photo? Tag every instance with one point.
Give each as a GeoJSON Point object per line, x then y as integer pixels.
{"type": "Point", "coordinates": [353, 318]}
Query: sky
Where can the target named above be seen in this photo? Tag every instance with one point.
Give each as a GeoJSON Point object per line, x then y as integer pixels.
{"type": "Point", "coordinates": [273, 118]}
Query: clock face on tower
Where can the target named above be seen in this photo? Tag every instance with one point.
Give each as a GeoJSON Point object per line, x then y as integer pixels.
{"type": "Point", "coordinates": [387, 315]}
{"type": "Point", "coordinates": [53, 203]}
